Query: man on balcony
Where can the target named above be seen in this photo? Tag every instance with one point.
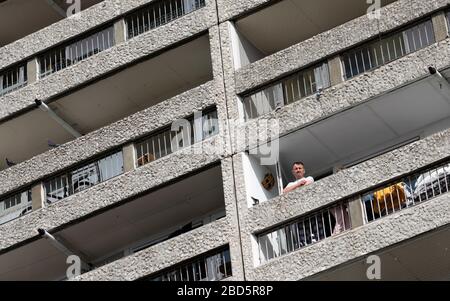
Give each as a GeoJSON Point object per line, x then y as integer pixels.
{"type": "Point", "coordinates": [298, 171]}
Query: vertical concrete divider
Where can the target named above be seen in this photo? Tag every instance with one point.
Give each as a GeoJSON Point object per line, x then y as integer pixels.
{"type": "Point", "coordinates": [129, 157]}
{"type": "Point", "coordinates": [38, 196]}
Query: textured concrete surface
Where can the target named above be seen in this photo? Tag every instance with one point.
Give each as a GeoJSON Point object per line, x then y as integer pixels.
{"type": "Point", "coordinates": [333, 41]}
{"type": "Point", "coordinates": [111, 136]}
{"type": "Point", "coordinates": [362, 241]}
{"type": "Point", "coordinates": [199, 241]}
{"type": "Point", "coordinates": [107, 61]}
{"type": "Point", "coordinates": [229, 9]}
{"type": "Point", "coordinates": [165, 254]}
{"type": "Point", "coordinates": [350, 93]}
{"type": "Point", "coordinates": [241, 222]}
{"type": "Point", "coordinates": [97, 15]}
{"type": "Point", "coordinates": [111, 192]}
{"type": "Point", "coordinates": [339, 186]}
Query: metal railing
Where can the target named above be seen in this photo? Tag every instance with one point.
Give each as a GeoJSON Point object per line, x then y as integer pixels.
{"type": "Point", "coordinates": [67, 55]}
{"type": "Point", "coordinates": [12, 79]}
{"type": "Point", "coordinates": [84, 177]}
{"type": "Point", "coordinates": [288, 90]}
{"type": "Point", "coordinates": [158, 14]}
{"type": "Point", "coordinates": [165, 142]}
{"type": "Point", "coordinates": [303, 231]}
{"type": "Point", "coordinates": [387, 49]}
{"type": "Point", "coordinates": [213, 267]}
{"type": "Point", "coordinates": [406, 192]}
{"type": "Point", "coordinates": [15, 206]}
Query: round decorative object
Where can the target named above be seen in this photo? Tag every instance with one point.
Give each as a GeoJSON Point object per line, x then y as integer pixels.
{"type": "Point", "coordinates": [268, 182]}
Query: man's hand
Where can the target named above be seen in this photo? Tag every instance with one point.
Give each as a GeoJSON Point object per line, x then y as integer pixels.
{"type": "Point", "coordinates": [302, 183]}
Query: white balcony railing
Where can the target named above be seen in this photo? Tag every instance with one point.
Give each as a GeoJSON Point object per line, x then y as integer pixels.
{"type": "Point", "coordinates": [159, 13]}
{"type": "Point", "coordinates": [387, 49]}
{"type": "Point", "coordinates": [13, 79]}
{"type": "Point", "coordinates": [407, 192]}
{"type": "Point", "coordinates": [84, 177]}
{"type": "Point", "coordinates": [15, 206]}
{"type": "Point", "coordinates": [167, 141]}
{"type": "Point", "coordinates": [213, 267]}
{"type": "Point", "coordinates": [286, 91]}
{"type": "Point", "coordinates": [303, 231]}
{"type": "Point", "coordinates": [73, 52]}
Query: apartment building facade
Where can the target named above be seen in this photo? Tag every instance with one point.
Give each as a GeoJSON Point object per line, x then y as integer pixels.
{"type": "Point", "coordinates": [152, 139]}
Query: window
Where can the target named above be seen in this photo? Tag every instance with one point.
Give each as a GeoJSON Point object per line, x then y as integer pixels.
{"type": "Point", "coordinates": [158, 14]}
{"type": "Point", "coordinates": [84, 177]}
{"type": "Point", "coordinates": [387, 49]}
{"type": "Point", "coordinates": [303, 232]}
{"type": "Point", "coordinates": [214, 267]}
{"type": "Point", "coordinates": [13, 79]}
{"type": "Point", "coordinates": [406, 192]}
{"type": "Point", "coordinates": [287, 91]}
{"type": "Point", "coordinates": [15, 206]}
{"type": "Point", "coordinates": [75, 52]}
{"type": "Point", "coordinates": [194, 129]}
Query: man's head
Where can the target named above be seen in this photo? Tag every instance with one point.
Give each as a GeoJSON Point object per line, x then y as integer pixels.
{"type": "Point", "coordinates": [298, 170]}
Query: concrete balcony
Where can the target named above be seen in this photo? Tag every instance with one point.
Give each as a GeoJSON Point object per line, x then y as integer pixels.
{"type": "Point", "coordinates": [327, 44]}
{"type": "Point", "coordinates": [347, 184]}
{"type": "Point", "coordinates": [106, 101]}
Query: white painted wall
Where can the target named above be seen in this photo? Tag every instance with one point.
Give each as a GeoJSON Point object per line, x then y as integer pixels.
{"type": "Point", "coordinates": [254, 173]}
{"type": "Point", "coordinates": [244, 52]}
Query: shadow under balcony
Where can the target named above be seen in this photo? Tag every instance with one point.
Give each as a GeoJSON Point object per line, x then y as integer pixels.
{"type": "Point", "coordinates": [123, 230]}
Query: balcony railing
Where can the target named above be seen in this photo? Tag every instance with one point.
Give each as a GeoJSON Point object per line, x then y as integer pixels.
{"type": "Point", "coordinates": [387, 49]}
{"type": "Point", "coordinates": [74, 52]}
{"type": "Point", "coordinates": [406, 192]}
{"type": "Point", "coordinates": [13, 79]}
{"type": "Point", "coordinates": [213, 267]}
{"type": "Point", "coordinates": [158, 14]}
{"type": "Point", "coordinates": [15, 206]}
{"type": "Point", "coordinates": [286, 91]}
{"type": "Point", "coordinates": [304, 231]}
{"type": "Point", "coordinates": [84, 177]}
{"type": "Point", "coordinates": [167, 141]}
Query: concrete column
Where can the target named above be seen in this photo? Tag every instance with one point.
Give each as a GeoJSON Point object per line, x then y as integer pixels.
{"type": "Point", "coordinates": [129, 158]}
{"type": "Point", "coordinates": [336, 71]}
{"type": "Point", "coordinates": [38, 196]}
{"type": "Point", "coordinates": [120, 31]}
{"type": "Point", "coordinates": [32, 71]}
{"type": "Point", "coordinates": [356, 212]}
{"type": "Point", "coordinates": [440, 26]}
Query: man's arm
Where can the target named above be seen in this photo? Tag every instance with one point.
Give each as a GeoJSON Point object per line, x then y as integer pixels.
{"type": "Point", "coordinates": [294, 186]}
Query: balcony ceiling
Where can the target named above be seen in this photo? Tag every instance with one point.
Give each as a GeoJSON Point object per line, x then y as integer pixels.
{"type": "Point", "coordinates": [418, 109]}
{"type": "Point", "coordinates": [37, 13]}
{"type": "Point", "coordinates": [108, 100]}
{"type": "Point", "coordinates": [165, 209]}
{"type": "Point", "coordinates": [424, 258]}
{"type": "Point", "coordinates": [291, 21]}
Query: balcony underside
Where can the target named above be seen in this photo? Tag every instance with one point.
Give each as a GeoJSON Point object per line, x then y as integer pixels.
{"type": "Point", "coordinates": [413, 111]}
{"type": "Point", "coordinates": [379, 125]}
{"type": "Point", "coordinates": [289, 22]}
{"type": "Point", "coordinates": [423, 258]}
{"type": "Point", "coordinates": [37, 13]}
{"type": "Point", "coordinates": [108, 100]}
{"type": "Point", "coordinates": [134, 225]}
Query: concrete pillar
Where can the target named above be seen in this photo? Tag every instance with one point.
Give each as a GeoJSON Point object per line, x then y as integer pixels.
{"type": "Point", "coordinates": [440, 26]}
{"type": "Point", "coordinates": [129, 158]}
{"type": "Point", "coordinates": [120, 31]}
{"type": "Point", "coordinates": [336, 71]}
{"type": "Point", "coordinates": [356, 212]}
{"type": "Point", "coordinates": [32, 71]}
{"type": "Point", "coordinates": [38, 196]}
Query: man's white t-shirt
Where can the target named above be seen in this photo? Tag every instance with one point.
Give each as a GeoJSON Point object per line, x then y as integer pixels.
{"type": "Point", "coordinates": [309, 180]}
